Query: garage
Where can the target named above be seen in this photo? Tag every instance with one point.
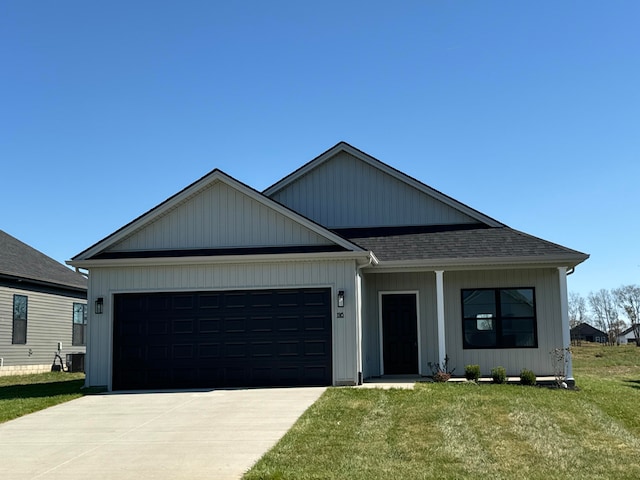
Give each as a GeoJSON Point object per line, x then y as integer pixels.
{"type": "Point", "coordinates": [240, 338]}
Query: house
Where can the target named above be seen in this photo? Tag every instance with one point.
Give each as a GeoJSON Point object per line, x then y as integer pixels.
{"type": "Point", "coordinates": [629, 335]}
{"type": "Point", "coordinates": [586, 333]}
{"type": "Point", "coordinates": [344, 270]}
{"type": "Point", "coordinates": [42, 309]}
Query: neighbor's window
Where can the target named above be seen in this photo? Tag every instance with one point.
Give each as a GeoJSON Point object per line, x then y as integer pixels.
{"type": "Point", "coordinates": [19, 319]}
{"type": "Point", "coordinates": [499, 318]}
{"type": "Point", "coordinates": [79, 324]}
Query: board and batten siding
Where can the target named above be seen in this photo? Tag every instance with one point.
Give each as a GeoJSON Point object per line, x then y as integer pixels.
{"type": "Point", "coordinates": [545, 282]}
{"type": "Point", "coordinates": [336, 274]}
{"type": "Point", "coordinates": [548, 314]}
{"type": "Point", "coordinates": [345, 192]}
{"type": "Point", "coordinates": [422, 282]}
{"type": "Point", "coordinates": [219, 216]}
{"type": "Point", "coordinates": [49, 321]}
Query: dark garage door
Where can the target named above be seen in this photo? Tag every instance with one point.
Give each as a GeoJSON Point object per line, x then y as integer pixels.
{"type": "Point", "coordinates": [222, 339]}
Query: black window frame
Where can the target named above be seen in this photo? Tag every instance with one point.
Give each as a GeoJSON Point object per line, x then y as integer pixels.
{"type": "Point", "coordinates": [19, 325]}
{"type": "Point", "coordinates": [79, 329]}
{"type": "Point", "coordinates": [499, 319]}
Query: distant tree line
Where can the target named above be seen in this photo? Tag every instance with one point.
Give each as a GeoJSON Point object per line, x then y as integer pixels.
{"type": "Point", "coordinates": [611, 311]}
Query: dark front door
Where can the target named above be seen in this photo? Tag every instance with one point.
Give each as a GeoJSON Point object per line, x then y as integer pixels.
{"type": "Point", "coordinates": [399, 333]}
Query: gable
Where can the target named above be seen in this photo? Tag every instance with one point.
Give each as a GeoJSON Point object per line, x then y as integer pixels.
{"type": "Point", "coordinates": [348, 189]}
{"type": "Point", "coordinates": [215, 216]}
{"type": "Point", "coordinates": [219, 217]}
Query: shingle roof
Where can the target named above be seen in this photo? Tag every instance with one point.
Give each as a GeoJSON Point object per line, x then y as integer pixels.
{"type": "Point", "coordinates": [468, 243]}
{"type": "Point", "coordinates": [17, 259]}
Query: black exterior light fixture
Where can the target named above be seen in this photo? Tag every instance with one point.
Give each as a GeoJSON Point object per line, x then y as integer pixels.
{"type": "Point", "coordinates": [99, 305]}
{"type": "Point", "coordinates": [341, 298]}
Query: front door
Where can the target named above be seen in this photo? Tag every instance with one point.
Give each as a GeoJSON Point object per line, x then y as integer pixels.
{"type": "Point", "coordinates": [399, 333]}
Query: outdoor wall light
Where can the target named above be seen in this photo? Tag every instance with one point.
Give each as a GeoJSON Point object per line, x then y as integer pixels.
{"type": "Point", "coordinates": [341, 298]}
{"type": "Point", "coordinates": [99, 305]}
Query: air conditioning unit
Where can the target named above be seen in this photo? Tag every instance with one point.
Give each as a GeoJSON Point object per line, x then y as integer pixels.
{"type": "Point", "coordinates": [75, 362]}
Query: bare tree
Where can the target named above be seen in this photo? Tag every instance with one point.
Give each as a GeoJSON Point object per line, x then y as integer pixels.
{"type": "Point", "coordinates": [577, 309]}
{"type": "Point", "coordinates": [628, 300]}
{"type": "Point", "coordinates": [605, 313]}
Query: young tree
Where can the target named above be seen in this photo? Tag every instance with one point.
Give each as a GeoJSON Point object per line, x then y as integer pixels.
{"type": "Point", "coordinates": [577, 309]}
{"type": "Point", "coordinates": [628, 300]}
{"type": "Point", "coordinates": [605, 313]}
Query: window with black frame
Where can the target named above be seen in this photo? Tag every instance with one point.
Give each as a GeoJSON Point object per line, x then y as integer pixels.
{"type": "Point", "coordinates": [19, 334]}
{"type": "Point", "coordinates": [79, 324]}
{"type": "Point", "coordinates": [499, 318]}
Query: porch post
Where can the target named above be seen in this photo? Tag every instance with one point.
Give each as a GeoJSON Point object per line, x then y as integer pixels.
{"type": "Point", "coordinates": [566, 332]}
{"type": "Point", "coordinates": [440, 313]}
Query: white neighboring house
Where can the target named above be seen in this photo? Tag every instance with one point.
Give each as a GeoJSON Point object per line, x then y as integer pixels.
{"type": "Point", "coordinates": [43, 305]}
{"type": "Point", "coordinates": [628, 335]}
{"type": "Point", "coordinates": [344, 270]}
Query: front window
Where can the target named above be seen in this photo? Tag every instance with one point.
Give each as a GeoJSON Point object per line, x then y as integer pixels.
{"type": "Point", "coordinates": [499, 318]}
{"type": "Point", "coordinates": [79, 324]}
{"type": "Point", "coordinates": [19, 335]}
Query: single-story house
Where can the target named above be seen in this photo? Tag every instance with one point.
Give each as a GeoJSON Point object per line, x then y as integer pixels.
{"type": "Point", "coordinates": [629, 335]}
{"type": "Point", "coordinates": [43, 307]}
{"type": "Point", "coordinates": [586, 333]}
{"type": "Point", "coordinates": [344, 270]}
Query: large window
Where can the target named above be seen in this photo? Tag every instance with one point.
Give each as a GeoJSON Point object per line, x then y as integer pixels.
{"type": "Point", "coordinates": [79, 324]}
{"type": "Point", "coordinates": [19, 335]}
{"type": "Point", "coordinates": [499, 318]}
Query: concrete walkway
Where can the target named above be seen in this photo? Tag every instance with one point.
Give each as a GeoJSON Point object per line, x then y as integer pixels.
{"type": "Point", "coordinates": [215, 434]}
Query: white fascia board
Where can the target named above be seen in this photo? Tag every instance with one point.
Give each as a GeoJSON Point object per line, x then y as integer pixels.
{"type": "Point", "coordinates": [403, 177]}
{"type": "Point", "coordinates": [476, 264]}
{"type": "Point", "coordinates": [209, 179]}
{"type": "Point", "coordinates": [362, 257]}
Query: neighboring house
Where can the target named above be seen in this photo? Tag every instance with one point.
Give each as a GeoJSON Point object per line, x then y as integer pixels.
{"type": "Point", "coordinates": [344, 270]}
{"type": "Point", "coordinates": [586, 333]}
{"type": "Point", "coordinates": [42, 304]}
{"type": "Point", "coordinates": [628, 335]}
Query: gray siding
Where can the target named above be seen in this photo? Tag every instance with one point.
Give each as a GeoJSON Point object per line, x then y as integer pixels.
{"type": "Point", "coordinates": [49, 321]}
{"type": "Point", "coordinates": [373, 284]}
{"type": "Point", "coordinates": [339, 275]}
{"type": "Point", "coordinates": [220, 216]}
{"type": "Point", "coordinates": [347, 192]}
{"type": "Point", "coordinates": [548, 310]}
{"type": "Point", "coordinates": [545, 282]}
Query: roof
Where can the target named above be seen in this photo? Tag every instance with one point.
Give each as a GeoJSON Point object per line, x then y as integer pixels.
{"type": "Point", "coordinates": [462, 242]}
{"type": "Point", "coordinates": [629, 330]}
{"type": "Point", "coordinates": [20, 261]}
{"type": "Point", "coordinates": [584, 328]}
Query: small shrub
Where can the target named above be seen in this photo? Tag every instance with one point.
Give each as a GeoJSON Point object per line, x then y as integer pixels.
{"type": "Point", "coordinates": [441, 373]}
{"type": "Point", "coordinates": [441, 377]}
{"type": "Point", "coordinates": [499, 375]}
{"type": "Point", "coordinates": [472, 372]}
{"type": "Point", "coordinates": [527, 377]}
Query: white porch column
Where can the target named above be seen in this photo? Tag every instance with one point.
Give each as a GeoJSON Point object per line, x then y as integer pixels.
{"type": "Point", "coordinates": [359, 327]}
{"type": "Point", "coordinates": [442, 347]}
{"type": "Point", "coordinates": [564, 312]}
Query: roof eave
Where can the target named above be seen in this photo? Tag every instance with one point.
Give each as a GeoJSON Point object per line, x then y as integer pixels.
{"type": "Point", "coordinates": [362, 257]}
{"type": "Point", "coordinates": [480, 263]}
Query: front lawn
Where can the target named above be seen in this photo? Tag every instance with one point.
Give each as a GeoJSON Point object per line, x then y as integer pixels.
{"type": "Point", "coordinates": [470, 431]}
{"type": "Point", "coordinates": [20, 395]}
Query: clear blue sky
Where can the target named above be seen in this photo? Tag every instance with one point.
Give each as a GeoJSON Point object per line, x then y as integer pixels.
{"type": "Point", "coordinates": [526, 111]}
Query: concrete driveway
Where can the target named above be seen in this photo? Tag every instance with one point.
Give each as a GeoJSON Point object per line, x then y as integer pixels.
{"type": "Point", "coordinates": [216, 434]}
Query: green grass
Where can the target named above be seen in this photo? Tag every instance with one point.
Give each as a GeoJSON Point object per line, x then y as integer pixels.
{"type": "Point", "coordinates": [23, 394]}
{"type": "Point", "coordinates": [470, 431]}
